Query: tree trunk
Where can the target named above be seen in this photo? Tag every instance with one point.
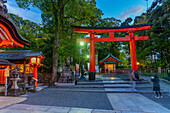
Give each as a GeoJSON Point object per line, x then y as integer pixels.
{"type": "Point", "coordinates": [56, 47]}
{"type": "Point", "coordinates": [55, 58]}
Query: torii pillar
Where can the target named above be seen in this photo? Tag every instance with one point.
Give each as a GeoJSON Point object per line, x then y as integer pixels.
{"type": "Point", "coordinates": [92, 57]}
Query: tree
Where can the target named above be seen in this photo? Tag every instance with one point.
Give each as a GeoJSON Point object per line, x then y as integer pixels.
{"type": "Point", "coordinates": [57, 16]}
{"type": "Point", "coordinates": [127, 22]}
{"type": "Point", "coordinates": [155, 50]}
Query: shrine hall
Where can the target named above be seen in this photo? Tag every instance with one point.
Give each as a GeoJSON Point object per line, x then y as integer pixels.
{"type": "Point", "coordinates": [109, 63]}
{"type": "Point", "coordinates": [19, 58]}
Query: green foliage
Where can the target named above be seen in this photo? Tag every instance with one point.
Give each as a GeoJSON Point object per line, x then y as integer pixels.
{"type": "Point", "coordinates": [59, 15]}
{"type": "Point", "coordinates": [155, 52]}
{"type": "Point", "coordinates": [124, 58]}
{"type": "Point", "coordinates": [57, 18]}
{"type": "Point", "coordinates": [29, 30]}
{"type": "Point", "coordinates": [126, 22]}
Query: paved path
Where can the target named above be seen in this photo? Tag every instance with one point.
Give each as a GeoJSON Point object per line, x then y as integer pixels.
{"type": "Point", "coordinates": [50, 100]}
{"type": "Point", "coordinates": [53, 97]}
{"type": "Point", "coordinates": [135, 103]}
{"type": "Point", "coordinates": [165, 101]}
{"type": "Point", "coordinates": [165, 86]}
{"type": "Point", "coordinates": [7, 101]}
{"type": "Point", "coordinates": [24, 108]}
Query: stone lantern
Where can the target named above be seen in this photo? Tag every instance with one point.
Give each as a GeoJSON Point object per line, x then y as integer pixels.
{"type": "Point", "coordinates": [14, 91]}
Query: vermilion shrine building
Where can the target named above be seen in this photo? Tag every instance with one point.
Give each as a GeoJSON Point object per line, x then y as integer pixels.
{"type": "Point", "coordinates": [109, 63]}
{"type": "Point", "coordinates": [9, 36]}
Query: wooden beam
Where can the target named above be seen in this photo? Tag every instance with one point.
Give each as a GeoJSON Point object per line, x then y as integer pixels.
{"type": "Point", "coordinates": [113, 39]}
{"type": "Point", "coordinates": [140, 38]}
{"type": "Point", "coordinates": [6, 42]}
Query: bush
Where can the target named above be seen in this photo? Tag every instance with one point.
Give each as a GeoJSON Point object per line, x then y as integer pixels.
{"type": "Point", "coordinates": [164, 76]}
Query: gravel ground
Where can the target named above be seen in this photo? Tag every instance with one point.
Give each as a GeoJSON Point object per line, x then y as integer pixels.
{"type": "Point", "coordinates": [165, 101]}
{"type": "Point", "coordinates": [69, 99]}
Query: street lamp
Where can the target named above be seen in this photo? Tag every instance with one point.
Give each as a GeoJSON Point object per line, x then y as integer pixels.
{"type": "Point", "coordinates": [35, 61]}
{"type": "Point", "coordinates": [82, 71]}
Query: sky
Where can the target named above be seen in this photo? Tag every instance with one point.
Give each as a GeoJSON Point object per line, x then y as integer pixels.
{"type": "Point", "coordinates": [120, 9]}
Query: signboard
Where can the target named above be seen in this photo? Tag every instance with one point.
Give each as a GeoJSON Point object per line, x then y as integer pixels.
{"type": "Point", "coordinates": [7, 72]}
{"type": "Point", "coordinates": [97, 69]}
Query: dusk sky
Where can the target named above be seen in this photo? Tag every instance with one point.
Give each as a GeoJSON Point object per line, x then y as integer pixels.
{"type": "Point", "coordinates": [120, 9]}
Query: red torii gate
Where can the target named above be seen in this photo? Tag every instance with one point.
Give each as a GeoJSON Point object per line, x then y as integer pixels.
{"type": "Point", "coordinates": [131, 38]}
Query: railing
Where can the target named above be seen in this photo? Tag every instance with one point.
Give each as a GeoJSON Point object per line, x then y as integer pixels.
{"type": "Point", "coordinates": [162, 71]}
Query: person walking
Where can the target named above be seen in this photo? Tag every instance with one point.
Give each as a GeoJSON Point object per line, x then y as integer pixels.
{"type": "Point", "coordinates": [133, 79]}
{"type": "Point", "coordinates": [156, 86]}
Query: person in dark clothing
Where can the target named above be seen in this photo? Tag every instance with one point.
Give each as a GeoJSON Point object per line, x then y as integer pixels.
{"type": "Point", "coordinates": [156, 86]}
{"type": "Point", "coordinates": [106, 70]}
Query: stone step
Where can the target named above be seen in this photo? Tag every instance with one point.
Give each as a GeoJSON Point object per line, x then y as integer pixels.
{"type": "Point", "coordinates": [111, 82]}
{"type": "Point", "coordinates": [101, 86]}
{"type": "Point", "coordinates": [118, 79]}
{"type": "Point", "coordinates": [108, 91]}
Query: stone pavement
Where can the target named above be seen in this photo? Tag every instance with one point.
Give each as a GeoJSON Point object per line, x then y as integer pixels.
{"type": "Point", "coordinates": [7, 101]}
{"type": "Point", "coordinates": [120, 102]}
{"type": "Point", "coordinates": [132, 102]}
{"type": "Point", "coordinates": [24, 108]}
{"type": "Point", "coordinates": [164, 85]}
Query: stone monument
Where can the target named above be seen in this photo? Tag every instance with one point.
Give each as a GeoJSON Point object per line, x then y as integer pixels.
{"type": "Point", "coordinates": [66, 74]}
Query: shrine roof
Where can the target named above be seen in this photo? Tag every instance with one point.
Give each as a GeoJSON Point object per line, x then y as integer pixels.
{"type": "Point", "coordinates": [32, 54]}
{"type": "Point", "coordinates": [107, 57]}
{"type": "Point", "coordinates": [9, 34]}
{"type": "Point", "coordinates": [5, 62]}
{"type": "Point", "coordinates": [18, 54]}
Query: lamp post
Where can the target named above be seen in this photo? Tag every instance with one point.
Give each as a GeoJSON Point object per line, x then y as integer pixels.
{"type": "Point", "coordinates": [35, 61]}
{"type": "Point", "coordinates": [82, 71]}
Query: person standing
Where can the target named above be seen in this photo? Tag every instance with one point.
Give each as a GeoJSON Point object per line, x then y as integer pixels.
{"type": "Point", "coordinates": [133, 79]}
{"type": "Point", "coordinates": [106, 70]}
{"type": "Point", "coordinates": [156, 86]}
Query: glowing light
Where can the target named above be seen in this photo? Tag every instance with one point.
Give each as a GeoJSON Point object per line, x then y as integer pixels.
{"type": "Point", "coordinates": [88, 56]}
{"type": "Point", "coordinates": [33, 60]}
{"type": "Point", "coordinates": [81, 43]}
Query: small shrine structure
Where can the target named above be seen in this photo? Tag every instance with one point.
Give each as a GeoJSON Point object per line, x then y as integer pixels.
{"type": "Point", "coordinates": [21, 59]}
{"type": "Point", "coordinates": [109, 62]}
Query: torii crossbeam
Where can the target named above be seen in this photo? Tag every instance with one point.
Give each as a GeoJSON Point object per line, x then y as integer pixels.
{"type": "Point", "coordinates": [131, 38]}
